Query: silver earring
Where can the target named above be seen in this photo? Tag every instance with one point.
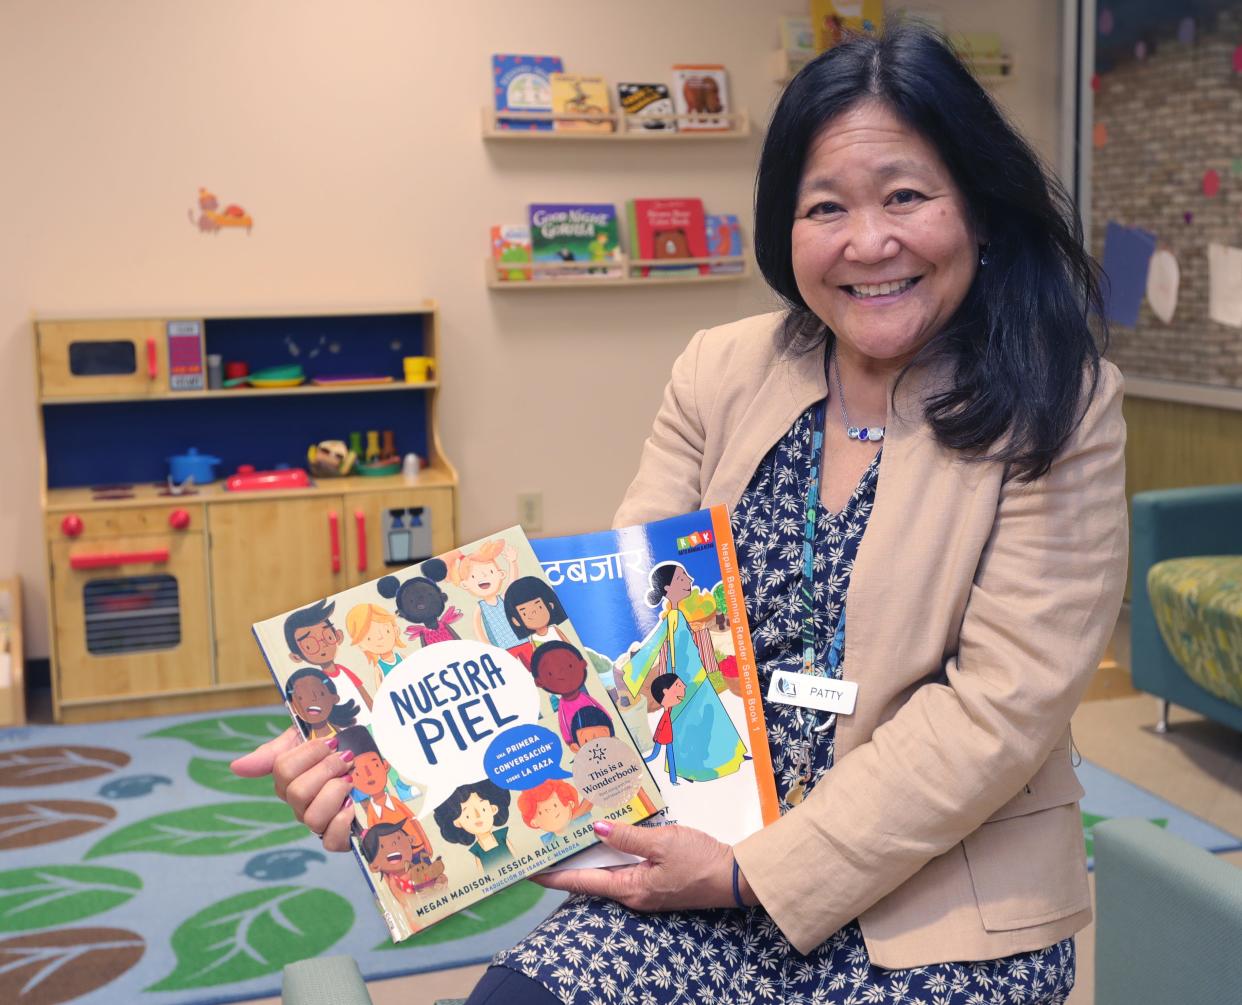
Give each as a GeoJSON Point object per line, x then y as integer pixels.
{"type": "Point", "coordinates": [983, 257]}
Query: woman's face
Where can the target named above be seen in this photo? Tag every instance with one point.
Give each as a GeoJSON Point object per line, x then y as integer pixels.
{"type": "Point", "coordinates": [476, 815]}
{"type": "Point", "coordinates": [883, 246]}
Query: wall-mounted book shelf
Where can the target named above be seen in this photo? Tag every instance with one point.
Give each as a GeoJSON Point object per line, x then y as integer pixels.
{"type": "Point", "coordinates": [624, 128]}
{"type": "Point", "coordinates": [786, 63]}
{"type": "Point", "coordinates": [587, 275]}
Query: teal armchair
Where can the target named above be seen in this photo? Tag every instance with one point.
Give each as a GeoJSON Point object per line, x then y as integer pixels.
{"type": "Point", "coordinates": [1177, 523]}
{"type": "Point", "coordinates": [1168, 919]}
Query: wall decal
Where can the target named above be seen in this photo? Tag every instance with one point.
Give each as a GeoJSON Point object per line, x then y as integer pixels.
{"type": "Point", "coordinates": [211, 219]}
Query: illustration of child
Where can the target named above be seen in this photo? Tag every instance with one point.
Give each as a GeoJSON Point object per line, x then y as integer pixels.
{"type": "Point", "coordinates": [552, 806]}
{"type": "Point", "coordinates": [316, 704]}
{"type": "Point", "coordinates": [480, 575]}
{"type": "Point", "coordinates": [313, 639]}
{"type": "Point", "coordinates": [369, 777]}
{"type": "Point", "coordinates": [389, 850]}
{"type": "Point", "coordinates": [421, 602]}
{"type": "Point", "coordinates": [667, 689]}
{"type": "Point", "coordinates": [474, 816]}
{"type": "Point", "coordinates": [561, 670]}
{"type": "Point", "coordinates": [707, 744]}
{"type": "Point", "coordinates": [535, 612]}
{"type": "Point", "coordinates": [593, 724]}
{"type": "Point", "coordinates": [374, 630]}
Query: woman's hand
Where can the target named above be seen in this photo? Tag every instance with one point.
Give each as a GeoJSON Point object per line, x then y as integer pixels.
{"type": "Point", "coordinates": [312, 778]}
{"type": "Point", "coordinates": [684, 869]}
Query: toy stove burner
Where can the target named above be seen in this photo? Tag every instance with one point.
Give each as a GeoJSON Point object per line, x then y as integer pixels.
{"type": "Point", "coordinates": [105, 492]}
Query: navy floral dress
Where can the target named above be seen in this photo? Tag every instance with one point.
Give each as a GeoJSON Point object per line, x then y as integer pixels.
{"type": "Point", "coordinates": [596, 951]}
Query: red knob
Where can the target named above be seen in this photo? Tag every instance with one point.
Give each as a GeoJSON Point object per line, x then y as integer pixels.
{"type": "Point", "coordinates": [178, 519]}
{"type": "Point", "coordinates": [71, 526]}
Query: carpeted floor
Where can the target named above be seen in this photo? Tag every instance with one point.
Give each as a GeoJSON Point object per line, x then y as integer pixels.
{"type": "Point", "coordinates": [134, 867]}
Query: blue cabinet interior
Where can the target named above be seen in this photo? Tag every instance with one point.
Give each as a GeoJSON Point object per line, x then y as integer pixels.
{"type": "Point", "coordinates": [108, 443]}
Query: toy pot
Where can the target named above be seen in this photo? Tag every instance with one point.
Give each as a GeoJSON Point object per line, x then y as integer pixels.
{"type": "Point", "coordinates": [192, 464]}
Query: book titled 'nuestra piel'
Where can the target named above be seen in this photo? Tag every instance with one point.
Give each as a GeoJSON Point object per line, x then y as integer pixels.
{"type": "Point", "coordinates": [484, 745]}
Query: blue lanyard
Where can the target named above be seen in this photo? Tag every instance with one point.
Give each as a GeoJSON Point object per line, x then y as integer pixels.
{"type": "Point", "coordinates": [808, 543]}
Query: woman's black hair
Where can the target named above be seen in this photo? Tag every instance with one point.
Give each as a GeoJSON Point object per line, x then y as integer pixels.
{"type": "Point", "coordinates": [525, 589]}
{"type": "Point", "coordinates": [343, 713]}
{"type": "Point", "coordinates": [588, 716]}
{"type": "Point", "coordinates": [659, 578]}
{"type": "Point", "coordinates": [371, 838]}
{"type": "Point", "coordinates": [427, 585]}
{"type": "Point", "coordinates": [450, 809]}
{"type": "Point", "coordinates": [1022, 338]}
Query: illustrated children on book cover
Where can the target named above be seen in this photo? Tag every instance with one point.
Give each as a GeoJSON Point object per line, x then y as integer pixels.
{"type": "Point", "coordinates": [575, 232]}
{"type": "Point", "coordinates": [481, 745]}
{"type": "Point", "coordinates": [660, 607]}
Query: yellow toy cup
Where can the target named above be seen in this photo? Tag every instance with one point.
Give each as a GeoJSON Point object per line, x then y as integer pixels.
{"type": "Point", "coordinates": [419, 369]}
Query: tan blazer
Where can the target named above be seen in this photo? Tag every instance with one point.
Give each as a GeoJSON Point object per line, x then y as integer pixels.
{"type": "Point", "coordinates": [978, 610]}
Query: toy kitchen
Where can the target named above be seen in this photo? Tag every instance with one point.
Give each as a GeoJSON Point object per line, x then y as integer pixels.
{"type": "Point", "coordinates": [203, 473]}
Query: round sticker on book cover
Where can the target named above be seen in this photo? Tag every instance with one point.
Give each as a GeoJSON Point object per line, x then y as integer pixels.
{"type": "Point", "coordinates": [440, 707]}
{"type": "Point", "coordinates": [608, 772]}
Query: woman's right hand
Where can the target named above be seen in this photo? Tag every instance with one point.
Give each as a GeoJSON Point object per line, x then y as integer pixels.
{"type": "Point", "coordinates": [312, 778]}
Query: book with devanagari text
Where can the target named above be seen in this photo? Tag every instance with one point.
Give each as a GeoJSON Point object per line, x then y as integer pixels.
{"type": "Point", "coordinates": [484, 746]}
{"type": "Point", "coordinates": [659, 608]}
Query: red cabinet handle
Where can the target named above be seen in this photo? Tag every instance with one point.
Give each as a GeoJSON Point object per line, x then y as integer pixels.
{"type": "Point", "coordinates": [71, 526]}
{"type": "Point", "coordinates": [153, 359]}
{"type": "Point", "coordinates": [179, 519]}
{"type": "Point", "coordinates": [360, 522]}
{"type": "Point", "coordinates": [111, 559]}
{"type": "Point", "coordinates": [334, 539]}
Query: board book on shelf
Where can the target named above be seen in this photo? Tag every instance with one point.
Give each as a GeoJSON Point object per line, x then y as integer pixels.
{"type": "Point", "coordinates": [483, 746]}
{"type": "Point", "coordinates": [575, 232]}
{"type": "Point", "coordinates": [660, 610]}
{"type": "Point", "coordinates": [640, 102]}
{"type": "Point", "coordinates": [511, 245]}
{"type": "Point", "coordinates": [667, 228]}
{"type": "Point", "coordinates": [574, 94]}
{"type": "Point", "coordinates": [724, 237]}
{"type": "Point", "coordinates": [701, 94]}
{"type": "Point", "coordinates": [522, 83]}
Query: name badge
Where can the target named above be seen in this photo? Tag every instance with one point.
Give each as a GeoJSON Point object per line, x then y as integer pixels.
{"type": "Point", "coordinates": [808, 690]}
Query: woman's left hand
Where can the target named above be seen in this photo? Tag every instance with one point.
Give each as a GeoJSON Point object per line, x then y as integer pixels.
{"type": "Point", "coordinates": [684, 869]}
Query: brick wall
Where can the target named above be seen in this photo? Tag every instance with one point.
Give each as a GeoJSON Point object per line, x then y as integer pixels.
{"type": "Point", "coordinates": [1171, 117]}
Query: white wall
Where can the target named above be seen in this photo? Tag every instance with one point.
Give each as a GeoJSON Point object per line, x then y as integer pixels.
{"type": "Point", "coordinates": [351, 133]}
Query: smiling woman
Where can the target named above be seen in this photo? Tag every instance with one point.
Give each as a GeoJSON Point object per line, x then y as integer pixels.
{"type": "Point", "coordinates": [922, 457]}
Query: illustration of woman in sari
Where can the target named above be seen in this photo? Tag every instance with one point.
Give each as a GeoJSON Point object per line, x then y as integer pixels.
{"type": "Point", "coordinates": [705, 742]}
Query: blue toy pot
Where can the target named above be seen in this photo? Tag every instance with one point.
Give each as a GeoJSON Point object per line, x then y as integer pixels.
{"type": "Point", "coordinates": [192, 464]}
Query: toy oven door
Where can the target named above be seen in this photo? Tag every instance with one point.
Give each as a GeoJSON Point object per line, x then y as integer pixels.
{"type": "Point", "coordinates": [102, 359]}
{"type": "Point", "coordinates": [131, 617]}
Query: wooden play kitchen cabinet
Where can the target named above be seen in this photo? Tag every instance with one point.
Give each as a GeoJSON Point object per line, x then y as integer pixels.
{"type": "Point", "coordinates": [154, 583]}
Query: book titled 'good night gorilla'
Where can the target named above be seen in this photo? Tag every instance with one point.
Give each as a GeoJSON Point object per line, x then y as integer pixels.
{"type": "Point", "coordinates": [484, 744]}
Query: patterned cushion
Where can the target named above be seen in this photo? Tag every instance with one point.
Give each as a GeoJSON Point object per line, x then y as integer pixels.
{"type": "Point", "coordinates": [1198, 606]}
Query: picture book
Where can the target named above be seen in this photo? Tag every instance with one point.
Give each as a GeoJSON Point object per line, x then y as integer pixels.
{"type": "Point", "coordinates": [796, 33]}
{"type": "Point", "coordinates": [484, 747]}
{"type": "Point", "coordinates": [701, 96]}
{"type": "Point", "coordinates": [511, 243]}
{"type": "Point", "coordinates": [831, 19]}
{"type": "Point", "coordinates": [522, 84]}
{"type": "Point", "coordinates": [576, 232]}
{"type": "Point", "coordinates": [724, 237]}
{"type": "Point", "coordinates": [660, 611]}
{"type": "Point", "coordinates": [667, 228]}
{"type": "Point", "coordinates": [640, 102]}
{"type": "Point", "coordinates": [574, 94]}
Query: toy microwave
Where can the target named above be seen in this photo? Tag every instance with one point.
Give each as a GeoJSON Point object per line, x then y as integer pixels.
{"type": "Point", "coordinates": [127, 358]}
